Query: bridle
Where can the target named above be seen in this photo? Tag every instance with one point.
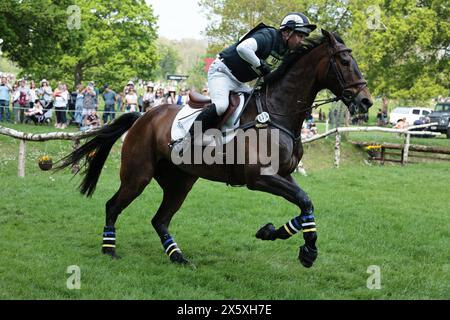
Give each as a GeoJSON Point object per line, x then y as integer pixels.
{"type": "Point", "coordinates": [347, 96]}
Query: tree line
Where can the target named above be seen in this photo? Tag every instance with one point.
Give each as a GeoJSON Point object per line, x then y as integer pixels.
{"type": "Point", "coordinates": [402, 46]}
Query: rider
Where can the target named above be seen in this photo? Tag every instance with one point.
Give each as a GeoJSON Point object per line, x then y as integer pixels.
{"type": "Point", "coordinates": [245, 61]}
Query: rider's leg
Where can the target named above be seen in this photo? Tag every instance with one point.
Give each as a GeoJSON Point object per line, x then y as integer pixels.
{"type": "Point", "coordinates": [220, 86]}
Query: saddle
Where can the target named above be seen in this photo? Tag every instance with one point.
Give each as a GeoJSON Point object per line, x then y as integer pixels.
{"type": "Point", "coordinates": [199, 101]}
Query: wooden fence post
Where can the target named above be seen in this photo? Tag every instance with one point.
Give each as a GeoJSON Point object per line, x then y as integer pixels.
{"type": "Point", "coordinates": [337, 149]}
{"type": "Point", "coordinates": [406, 148]}
{"type": "Point", "coordinates": [21, 161]}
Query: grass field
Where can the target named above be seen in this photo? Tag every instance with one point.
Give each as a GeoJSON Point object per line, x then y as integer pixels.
{"type": "Point", "coordinates": [393, 217]}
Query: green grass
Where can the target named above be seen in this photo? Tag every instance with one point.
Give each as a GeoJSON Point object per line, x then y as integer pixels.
{"type": "Point", "coordinates": [394, 217]}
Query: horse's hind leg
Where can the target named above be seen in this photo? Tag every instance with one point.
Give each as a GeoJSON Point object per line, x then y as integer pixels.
{"type": "Point", "coordinates": [176, 185]}
{"type": "Point", "coordinates": [130, 189]}
{"type": "Point", "coordinates": [305, 222]}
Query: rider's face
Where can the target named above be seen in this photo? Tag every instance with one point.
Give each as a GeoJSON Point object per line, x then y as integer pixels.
{"type": "Point", "coordinates": [295, 39]}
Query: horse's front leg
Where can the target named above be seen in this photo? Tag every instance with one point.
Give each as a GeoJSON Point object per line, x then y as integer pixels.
{"type": "Point", "coordinates": [288, 189]}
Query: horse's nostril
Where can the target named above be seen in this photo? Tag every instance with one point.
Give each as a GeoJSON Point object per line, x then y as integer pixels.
{"type": "Point", "coordinates": [367, 102]}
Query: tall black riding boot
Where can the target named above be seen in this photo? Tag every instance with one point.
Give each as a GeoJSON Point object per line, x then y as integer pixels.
{"type": "Point", "coordinates": [208, 117]}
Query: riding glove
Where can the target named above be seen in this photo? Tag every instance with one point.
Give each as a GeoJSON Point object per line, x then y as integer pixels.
{"type": "Point", "coordinates": [264, 68]}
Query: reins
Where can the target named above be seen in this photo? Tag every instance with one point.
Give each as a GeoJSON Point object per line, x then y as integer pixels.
{"type": "Point", "coordinates": [263, 119]}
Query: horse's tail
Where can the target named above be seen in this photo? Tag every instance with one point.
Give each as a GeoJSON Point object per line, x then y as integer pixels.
{"type": "Point", "coordinates": [96, 150]}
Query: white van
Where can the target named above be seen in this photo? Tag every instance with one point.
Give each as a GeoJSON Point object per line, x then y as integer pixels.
{"type": "Point", "coordinates": [410, 113]}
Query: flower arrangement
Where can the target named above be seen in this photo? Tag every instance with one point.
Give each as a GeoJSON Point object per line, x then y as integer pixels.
{"type": "Point", "coordinates": [45, 162]}
{"type": "Point", "coordinates": [374, 150]}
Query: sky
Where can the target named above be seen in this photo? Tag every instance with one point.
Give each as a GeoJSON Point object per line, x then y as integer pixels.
{"type": "Point", "coordinates": [179, 19]}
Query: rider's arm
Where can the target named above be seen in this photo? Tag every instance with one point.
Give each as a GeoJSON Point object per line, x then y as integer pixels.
{"type": "Point", "coordinates": [247, 51]}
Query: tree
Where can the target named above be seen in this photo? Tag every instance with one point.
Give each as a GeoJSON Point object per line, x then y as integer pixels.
{"type": "Point", "coordinates": [402, 46]}
{"type": "Point", "coordinates": [169, 59]}
{"type": "Point", "coordinates": [197, 76]}
{"type": "Point", "coordinates": [102, 40]}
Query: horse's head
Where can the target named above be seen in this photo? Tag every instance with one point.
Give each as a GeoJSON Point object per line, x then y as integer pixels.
{"type": "Point", "coordinates": [343, 77]}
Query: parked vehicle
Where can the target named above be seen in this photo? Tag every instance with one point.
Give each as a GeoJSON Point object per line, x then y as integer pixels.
{"type": "Point", "coordinates": [441, 115]}
{"type": "Point", "coordinates": [410, 113]}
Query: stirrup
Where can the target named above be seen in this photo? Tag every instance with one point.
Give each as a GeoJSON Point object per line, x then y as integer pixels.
{"type": "Point", "coordinates": [180, 145]}
{"type": "Point", "coordinates": [173, 143]}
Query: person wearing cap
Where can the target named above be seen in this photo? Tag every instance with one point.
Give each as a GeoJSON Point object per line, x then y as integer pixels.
{"type": "Point", "coordinates": [130, 85]}
{"type": "Point", "coordinates": [245, 61]}
{"type": "Point", "coordinates": [149, 96]}
{"type": "Point", "coordinates": [109, 96]}
{"type": "Point", "coordinates": [159, 97]}
{"type": "Point", "coordinates": [45, 94]}
{"type": "Point", "coordinates": [171, 96]}
{"type": "Point", "coordinates": [131, 101]}
{"type": "Point", "coordinates": [5, 96]}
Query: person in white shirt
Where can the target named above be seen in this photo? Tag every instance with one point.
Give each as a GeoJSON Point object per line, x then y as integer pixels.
{"type": "Point", "coordinates": [33, 93]}
{"type": "Point", "coordinates": [149, 96]}
{"type": "Point", "coordinates": [131, 101]}
{"type": "Point", "coordinates": [61, 99]}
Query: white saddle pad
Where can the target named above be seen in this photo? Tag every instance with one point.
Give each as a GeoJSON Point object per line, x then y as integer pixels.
{"type": "Point", "coordinates": [186, 116]}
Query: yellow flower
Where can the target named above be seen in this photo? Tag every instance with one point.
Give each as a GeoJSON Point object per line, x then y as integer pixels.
{"type": "Point", "coordinates": [45, 158]}
{"type": "Point", "coordinates": [374, 146]}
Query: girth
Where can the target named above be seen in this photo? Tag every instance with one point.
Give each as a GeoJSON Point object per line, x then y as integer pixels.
{"type": "Point", "coordinates": [263, 120]}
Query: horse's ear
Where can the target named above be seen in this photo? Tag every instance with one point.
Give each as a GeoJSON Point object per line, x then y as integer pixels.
{"type": "Point", "coordinates": [329, 36]}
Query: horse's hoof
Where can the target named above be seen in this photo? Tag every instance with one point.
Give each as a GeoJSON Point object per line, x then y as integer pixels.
{"type": "Point", "coordinates": [267, 232]}
{"type": "Point", "coordinates": [307, 256]}
{"type": "Point", "coordinates": [111, 253]}
{"type": "Point", "coordinates": [178, 258]}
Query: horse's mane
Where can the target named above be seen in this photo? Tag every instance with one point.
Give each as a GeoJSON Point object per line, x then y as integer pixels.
{"type": "Point", "coordinates": [307, 46]}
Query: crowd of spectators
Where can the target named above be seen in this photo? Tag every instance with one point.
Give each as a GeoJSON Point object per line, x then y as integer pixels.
{"type": "Point", "coordinates": [86, 107]}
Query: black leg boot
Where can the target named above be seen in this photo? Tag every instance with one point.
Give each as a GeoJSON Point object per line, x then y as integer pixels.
{"type": "Point", "coordinates": [209, 119]}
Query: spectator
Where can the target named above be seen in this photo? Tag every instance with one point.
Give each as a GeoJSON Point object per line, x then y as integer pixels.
{"type": "Point", "coordinates": [171, 96]}
{"type": "Point", "coordinates": [149, 97]}
{"type": "Point", "coordinates": [35, 111]}
{"type": "Point", "coordinates": [380, 121]}
{"type": "Point", "coordinates": [78, 117]}
{"type": "Point", "coordinates": [5, 96]}
{"type": "Point", "coordinates": [24, 98]}
{"type": "Point", "coordinates": [92, 120]}
{"type": "Point", "coordinates": [126, 89]}
{"type": "Point", "coordinates": [71, 105]}
{"type": "Point", "coordinates": [15, 103]}
{"type": "Point", "coordinates": [97, 93]}
{"type": "Point", "coordinates": [159, 97]}
{"type": "Point", "coordinates": [61, 96]}
{"type": "Point", "coordinates": [88, 100]}
{"type": "Point", "coordinates": [109, 96]}
{"type": "Point", "coordinates": [205, 92]}
{"type": "Point", "coordinates": [182, 98]}
{"type": "Point", "coordinates": [131, 101]}
{"type": "Point", "coordinates": [401, 124]}
{"type": "Point", "coordinates": [33, 94]}
{"type": "Point", "coordinates": [45, 94]}
{"type": "Point", "coordinates": [119, 100]}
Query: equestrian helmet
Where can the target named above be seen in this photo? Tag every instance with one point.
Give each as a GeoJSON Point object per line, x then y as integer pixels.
{"type": "Point", "coordinates": [298, 22]}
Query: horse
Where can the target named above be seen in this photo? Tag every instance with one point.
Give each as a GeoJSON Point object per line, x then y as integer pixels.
{"type": "Point", "coordinates": [286, 95]}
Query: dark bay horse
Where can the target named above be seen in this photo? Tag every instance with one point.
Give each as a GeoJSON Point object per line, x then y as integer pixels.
{"type": "Point", "coordinates": [287, 95]}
